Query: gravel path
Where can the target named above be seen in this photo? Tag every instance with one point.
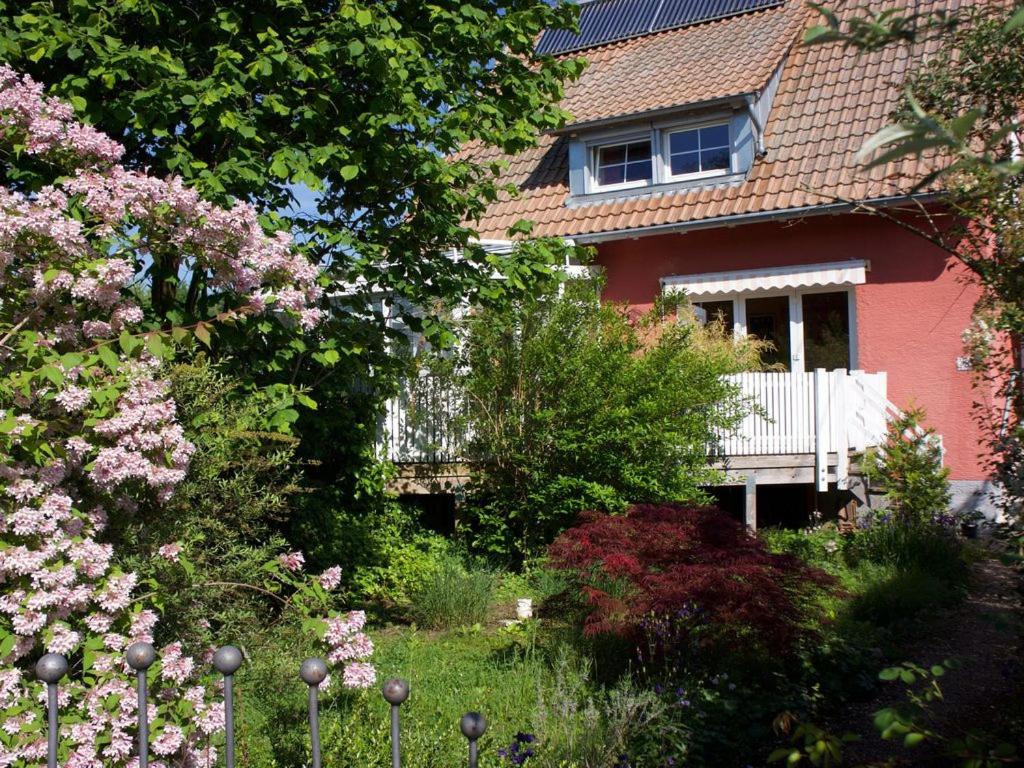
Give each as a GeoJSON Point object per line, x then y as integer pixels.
{"type": "Point", "coordinates": [984, 633]}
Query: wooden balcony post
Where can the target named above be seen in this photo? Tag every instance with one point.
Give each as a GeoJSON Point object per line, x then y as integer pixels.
{"type": "Point", "coordinates": [821, 429]}
{"type": "Point", "coordinates": [751, 501]}
{"type": "Point", "coordinates": [843, 415]}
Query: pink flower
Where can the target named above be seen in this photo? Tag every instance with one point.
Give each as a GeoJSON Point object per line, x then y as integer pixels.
{"type": "Point", "coordinates": [168, 742]}
{"type": "Point", "coordinates": [73, 399]}
{"type": "Point", "coordinates": [64, 640]}
{"type": "Point", "coordinates": [331, 578]}
{"type": "Point", "coordinates": [291, 561]}
{"type": "Point", "coordinates": [359, 675]}
{"type": "Point", "coordinates": [174, 665]}
{"type": "Point", "coordinates": [170, 551]}
{"type": "Point", "coordinates": [77, 243]}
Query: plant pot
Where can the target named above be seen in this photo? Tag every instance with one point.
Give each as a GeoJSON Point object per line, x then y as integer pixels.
{"type": "Point", "coordinates": [524, 608]}
{"type": "Point", "coordinates": [969, 530]}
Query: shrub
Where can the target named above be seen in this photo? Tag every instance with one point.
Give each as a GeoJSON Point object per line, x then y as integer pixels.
{"type": "Point", "coordinates": [910, 545]}
{"type": "Point", "coordinates": [909, 465]}
{"type": "Point", "coordinates": [536, 580]}
{"type": "Point", "coordinates": [904, 596]}
{"type": "Point", "coordinates": [384, 551]}
{"type": "Point", "coordinates": [574, 404]}
{"type": "Point", "coordinates": [667, 559]}
{"type": "Point", "coordinates": [453, 596]}
{"type": "Point", "coordinates": [226, 515]}
{"type": "Point", "coordinates": [576, 726]}
{"type": "Point", "coordinates": [822, 546]}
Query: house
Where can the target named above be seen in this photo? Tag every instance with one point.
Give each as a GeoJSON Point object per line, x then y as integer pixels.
{"type": "Point", "coordinates": [713, 154]}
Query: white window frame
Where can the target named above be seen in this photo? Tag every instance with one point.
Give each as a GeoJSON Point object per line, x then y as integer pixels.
{"type": "Point", "coordinates": [666, 155]}
{"type": "Point", "coordinates": [796, 317]}
{"type": "Point", "coordinates": [593, 148]}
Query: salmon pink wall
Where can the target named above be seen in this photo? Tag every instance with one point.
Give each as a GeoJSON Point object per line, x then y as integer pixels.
{"type": "Point", "coordinates": [910, 313]}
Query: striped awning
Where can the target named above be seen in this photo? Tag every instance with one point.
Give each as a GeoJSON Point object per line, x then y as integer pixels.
{"type": "Point", "coordinates": [837, 273]}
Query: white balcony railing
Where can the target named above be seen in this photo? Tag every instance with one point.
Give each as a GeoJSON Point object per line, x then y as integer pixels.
{"type": "Point", "coordinates": [795, 412]}
{"type": "Point", "coordinates": [818, 413]}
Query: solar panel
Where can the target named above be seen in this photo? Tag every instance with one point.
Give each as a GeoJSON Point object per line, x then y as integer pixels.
{"type": "Point", "coordinates": [679, 13]}
{"type": "Point", "coordinates": [602, 21]}
{"type": "Point", "coordinates": [605, 21]}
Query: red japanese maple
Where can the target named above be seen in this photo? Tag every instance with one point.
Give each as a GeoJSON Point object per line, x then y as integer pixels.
{"type": "Point", "coordinates": [662, 559]}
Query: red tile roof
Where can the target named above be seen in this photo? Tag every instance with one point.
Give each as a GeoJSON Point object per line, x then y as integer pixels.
{"type": "Point", "coordinates": [829, 100]}
{"type": "Point", "coordinates": [700, 62]}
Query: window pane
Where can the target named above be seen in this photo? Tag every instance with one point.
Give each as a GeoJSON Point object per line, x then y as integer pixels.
{"type": "Point", "coordinates": [682, 141]}
{"type": "Point", "coordinates": [768, 320]}
{"type": "Point", "coordinates": [638, 171]}
{"type": "Point", "coordinates": [611, 155]}
{"type": "Point", "coordinates": [688, 162]}
{"type": "Point", "coordinates": [719, 312]}
{"type": "Point", "coordinates": [714, 159]}
{"type": "Point", "coordinates": [714, 136]}
{"type": "Point", "coordinates": [640, 150]}
{"type": "Point", "coordinates": [826, 330]}
{"type": "Point", "coordinates": [610, 174]}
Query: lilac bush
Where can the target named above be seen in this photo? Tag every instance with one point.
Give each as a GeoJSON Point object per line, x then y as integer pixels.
{"type": "Point", "coordinates": [88, 430]}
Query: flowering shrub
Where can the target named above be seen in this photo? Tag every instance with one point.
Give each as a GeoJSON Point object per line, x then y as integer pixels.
{"type": "Point", "coordinates": [670, 559]}
{"type": "Point", "coordinates": [88, 430]}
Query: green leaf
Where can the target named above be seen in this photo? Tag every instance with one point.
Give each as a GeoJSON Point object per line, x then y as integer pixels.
{"type": "Point", "coordinates": [202, 332]}
{"type": "Point", "coordinates": [782, 753]}
{"type": "Point", "coordinates": [155, 345]}
{"type": "Point", "coordinates": [53, 375]}
{"type": "Point", "coordinates": [305, 400]}
{"type": "Point", "coordinates": [1015, 22]}
{"type": "Point", "coordinates": [109, 358]}
{"type": "Point", "coordinates": [913, 738]}
{"type": "Point", "coordinates": [888, 135]}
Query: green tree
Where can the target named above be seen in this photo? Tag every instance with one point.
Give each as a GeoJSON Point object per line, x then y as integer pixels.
{"type": "Point", "coordinates": [575, 405]}
{"type": "Point", "coordinates": [909, 465]}
{"type": "Point", "coordinates": [365, 105]}
{"type": "Point", "coordinates": [342, 122]}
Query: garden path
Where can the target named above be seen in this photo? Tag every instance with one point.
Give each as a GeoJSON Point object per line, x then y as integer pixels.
{"type": "Point", "coordinates": [984, 634]}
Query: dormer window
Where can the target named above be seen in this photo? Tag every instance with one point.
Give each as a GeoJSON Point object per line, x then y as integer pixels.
{"type": "Point", "coordinates": [674, 153]}
{"type": "Point", "coordinates": [619, 166]}
{"type": "Point", "coordinates": [698, 152]}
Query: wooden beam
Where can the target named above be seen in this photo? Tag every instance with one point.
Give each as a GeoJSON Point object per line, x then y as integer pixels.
{"type": "Point", "coordinates": [751, 499]}
{"type": "Point", "coordinates": [821, 429]}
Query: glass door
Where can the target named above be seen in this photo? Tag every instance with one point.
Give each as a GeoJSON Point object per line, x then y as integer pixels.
{"type": "Point", "coordinates": [826, 330]}
{"type": "Point", "coordinates": [768, 320]}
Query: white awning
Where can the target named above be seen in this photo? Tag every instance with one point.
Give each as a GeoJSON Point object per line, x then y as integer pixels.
{"type": "Point", "coordinates": [838, 273]}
